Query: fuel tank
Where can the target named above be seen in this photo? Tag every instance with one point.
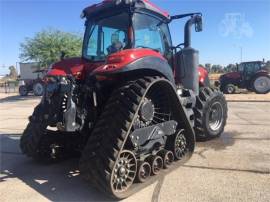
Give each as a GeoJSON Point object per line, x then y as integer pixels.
{"type": "Point", "coordinates": [186, 71]}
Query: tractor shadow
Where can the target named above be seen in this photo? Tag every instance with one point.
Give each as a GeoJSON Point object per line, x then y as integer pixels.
{"type": "Point", "coordinates": [62, 181]}
{"type": "Point", "coordinates": [56, 182]}
{"type": "Point", "coordinates": [16, 98]}
{"type": "Point", "coordinates": [226, 139]}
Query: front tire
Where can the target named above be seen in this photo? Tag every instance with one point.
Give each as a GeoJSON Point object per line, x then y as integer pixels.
{"type": "Point", "coordinates": [210, 114]}
{"type": "Point", "coordinates": [38, 89]}
{"type": "Point", "coordinates": [23, 91]}
{"type": "Point", "coordinates": [230, 89]}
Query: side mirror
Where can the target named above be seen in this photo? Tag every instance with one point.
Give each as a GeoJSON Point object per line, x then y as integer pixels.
{"type": "Point", "coordinates": [198, 24]}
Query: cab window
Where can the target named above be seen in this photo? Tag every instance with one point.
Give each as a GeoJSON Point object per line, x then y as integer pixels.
{"type": "Point", "coordinates": [106, 36]}
{"type": "Point", "coordinates": [151, 33]}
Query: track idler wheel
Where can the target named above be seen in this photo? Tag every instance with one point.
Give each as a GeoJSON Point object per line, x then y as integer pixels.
{"type": "Point", "coordinates": [144, 171]}
{"type": "Point", "coordinates": [179, 145]}
{"type": "Point", "coordinates": [124, 171]}
{"type": "Point", "coordinates": [156, 164]}
{"type": "Point", "coordinates": [168, 158]}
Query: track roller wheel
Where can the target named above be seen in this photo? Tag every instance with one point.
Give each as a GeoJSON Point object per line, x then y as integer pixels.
{"type": "Point", "coordinates": [168, 158]}
{"type": "Point", "coordinates": [144, 171]}
{"type": "Point", "coordinates": [124, 171]}
{"type": "Point", "coordinates": [179, 145]}
{"type": "Point", "coordinates": [156, 164]}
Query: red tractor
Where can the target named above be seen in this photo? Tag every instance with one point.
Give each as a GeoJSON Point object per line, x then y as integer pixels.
{"type": "Point", "coordinates": [249, 75]}
{"type": "Point", "coordinates": [132, 105]}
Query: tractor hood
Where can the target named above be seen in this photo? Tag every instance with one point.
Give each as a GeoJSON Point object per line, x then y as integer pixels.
{"type": "Point", "coordinates": [77, 67]}
{"type": "Point", "coordinates": [231, 75]}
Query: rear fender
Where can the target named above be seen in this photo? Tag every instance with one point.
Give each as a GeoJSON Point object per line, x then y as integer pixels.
{"type": "Point", "coordinates": [256, 75]}
{"type": "Point", "coordinates": [134, 61]}
{"type": "Point", "coordinates": [262, 73]}
{"type": "Point", "coordinates": [151, 65]}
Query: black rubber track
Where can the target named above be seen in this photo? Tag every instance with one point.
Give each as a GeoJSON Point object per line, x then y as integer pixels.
{"type": "Point", "coordinates": [36, 140]}
{"type": "Point", "coordinates": [204, 99]}
{"type": "Point", "coordinates": [113, 127]}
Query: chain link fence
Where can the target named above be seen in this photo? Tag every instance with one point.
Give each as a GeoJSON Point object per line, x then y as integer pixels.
{"type": "Point", "coordinates": [9, 87]}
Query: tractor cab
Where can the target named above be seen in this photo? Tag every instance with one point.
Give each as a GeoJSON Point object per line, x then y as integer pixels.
{"type": "Point", "coordinates": [114, 26]}
{"type": "Point", "coordinates": [248, 69]}
{"type": "Point", "coordinates": [125, 31]}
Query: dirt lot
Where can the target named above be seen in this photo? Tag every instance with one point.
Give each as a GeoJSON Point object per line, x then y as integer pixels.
{"type": "Point", "coordinates": [235, 167]}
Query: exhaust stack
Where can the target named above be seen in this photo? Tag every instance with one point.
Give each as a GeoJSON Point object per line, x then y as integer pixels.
{"type": "Point", "coordinates": [189, 57]}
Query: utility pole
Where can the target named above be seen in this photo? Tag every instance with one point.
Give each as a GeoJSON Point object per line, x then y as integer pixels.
{"type": "Point", "coordinates": [241, 53]}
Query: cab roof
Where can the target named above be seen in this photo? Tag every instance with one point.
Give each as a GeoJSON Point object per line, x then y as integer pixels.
{"type": "Point", "coordinates": [108, 5]}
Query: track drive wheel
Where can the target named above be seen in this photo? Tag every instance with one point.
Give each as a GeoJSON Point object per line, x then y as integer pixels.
{"type": "Point", "coordinates": [210, 114]}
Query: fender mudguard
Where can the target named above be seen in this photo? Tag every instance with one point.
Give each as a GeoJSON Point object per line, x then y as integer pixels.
{"type": "Point", "coordinates": [143, 65]}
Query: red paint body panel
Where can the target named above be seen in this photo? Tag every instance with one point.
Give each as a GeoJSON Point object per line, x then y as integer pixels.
{"type": "Point", "coordinates": [202, 74]}
{"type": "Point", "coordinates": [165, 13]}
{"type": "Point", "coordinates": [104, 4]}
{"type": "Point", "coordinates": [263, 72]}
{"type": "Point", "coordinates": [120, 59]}
{"type": "Point", "coordinates": [232, 75]}
{"type": "Point", "coordinates": [77, 67]}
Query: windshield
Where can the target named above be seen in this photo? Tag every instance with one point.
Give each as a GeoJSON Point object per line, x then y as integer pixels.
{"type": "Point", "coordinates": [250, 67]}
{"type": "Point", "coordinates": [152, 33]}
{"type": "Point", "coordinates": [105, 36]}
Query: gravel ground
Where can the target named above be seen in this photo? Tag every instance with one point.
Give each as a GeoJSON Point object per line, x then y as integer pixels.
{"type": "Point", "coordinates": [234, 167]}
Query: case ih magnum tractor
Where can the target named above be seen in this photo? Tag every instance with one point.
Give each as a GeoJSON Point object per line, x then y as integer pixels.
{"type": "Point", "coordinates": [250, 75]}
{"type": "Point", "coordinates": [131, 105]}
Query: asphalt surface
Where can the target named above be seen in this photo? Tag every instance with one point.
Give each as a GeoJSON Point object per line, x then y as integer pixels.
{"type": "Point", "coordinates": [234, 167]}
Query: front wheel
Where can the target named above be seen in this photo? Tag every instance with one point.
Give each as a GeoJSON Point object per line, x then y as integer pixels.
{"type": "Point", "coordinates": [230, 89]}
{"type": "Point", "coordinates": [23, 91]}
{"type": "Point", "coordinates": [38, 89]}
{"type": "Point", "coordinates": [261, 84]}
{"type": "Point", "coordinates": [210, 114]}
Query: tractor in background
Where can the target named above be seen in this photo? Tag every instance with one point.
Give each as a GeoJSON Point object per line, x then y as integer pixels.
{"type": "Point", "coordinates": [31, 79]}
{"type": "Point", "coordinates": [252, 76]}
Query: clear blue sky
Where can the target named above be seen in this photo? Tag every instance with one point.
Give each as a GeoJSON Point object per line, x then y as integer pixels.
{"type": "Point", "coordinates": [228, 25]}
